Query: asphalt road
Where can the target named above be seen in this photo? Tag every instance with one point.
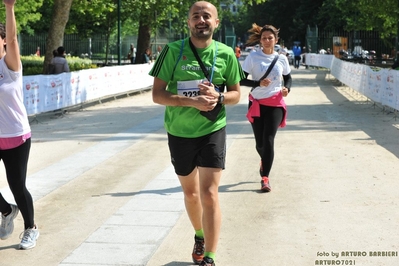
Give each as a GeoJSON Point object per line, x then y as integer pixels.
{"type": "Point", "coordinates": [105, 192]}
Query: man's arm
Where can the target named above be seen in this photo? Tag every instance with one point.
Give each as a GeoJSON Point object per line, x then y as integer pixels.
{"type": "Point", "coordinates": [233, 94]}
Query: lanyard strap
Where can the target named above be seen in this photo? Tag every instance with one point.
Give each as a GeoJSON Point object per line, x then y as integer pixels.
{"type": "Point", "coordinates": [206, 72]}
{"type": "Point", "coordinates": [178, 59]}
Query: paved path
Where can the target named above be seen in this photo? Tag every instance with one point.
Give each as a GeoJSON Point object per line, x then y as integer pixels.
{"type": "Point", "coordinates": [105, 192]}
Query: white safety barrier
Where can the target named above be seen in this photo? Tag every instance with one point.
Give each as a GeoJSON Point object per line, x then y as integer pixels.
{"type": "Point", "coordinates": [43, 93]}
{"type": "Point", "coordinates": [379, 85]}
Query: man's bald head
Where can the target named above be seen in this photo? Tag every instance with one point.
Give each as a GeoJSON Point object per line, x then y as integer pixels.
{"type": "Point", "coordinates": [200, 5]}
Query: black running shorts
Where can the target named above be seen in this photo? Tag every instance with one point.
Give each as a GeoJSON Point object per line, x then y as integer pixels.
{"type": "Point", "coordinates": [206, 151]}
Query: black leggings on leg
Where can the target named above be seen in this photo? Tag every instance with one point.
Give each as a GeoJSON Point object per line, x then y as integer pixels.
{"type": "Point", "coordinates": [265, 129]}
{"type": "Point", "coordinates": [16, 164]}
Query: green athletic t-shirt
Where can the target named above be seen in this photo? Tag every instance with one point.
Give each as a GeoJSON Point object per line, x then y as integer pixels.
{"type": "Point", "coordinates": [177, 64]}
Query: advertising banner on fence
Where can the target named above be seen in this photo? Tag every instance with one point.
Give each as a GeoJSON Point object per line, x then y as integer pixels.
{"type": "Point", "coordinates": [380, 85]}
{"type": "Point", "coordinates": [43, 93]}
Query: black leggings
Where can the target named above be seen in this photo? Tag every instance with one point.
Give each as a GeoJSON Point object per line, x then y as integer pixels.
{"type": "Point", "coordinates": [16, 164]}
{"type": "Point", "coordinates": [265, 129]}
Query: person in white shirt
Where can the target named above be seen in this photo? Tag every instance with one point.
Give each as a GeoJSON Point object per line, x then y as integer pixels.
{"type": "Point", "coordinates": [15, 135]}
{"type": "Point", "coordinates": [266, 109]}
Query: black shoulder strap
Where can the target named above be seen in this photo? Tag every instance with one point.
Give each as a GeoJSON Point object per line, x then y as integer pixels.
{"type": "Point", "coordinates": [269, 68]}
{"type": "Point", "coordinates": [206, 72]}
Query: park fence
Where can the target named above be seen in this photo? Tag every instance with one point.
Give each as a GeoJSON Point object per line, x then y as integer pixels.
{"type": "Point", "coordinates": [94, 47]}
{"type": "Point", "coordinates": [351, 41]}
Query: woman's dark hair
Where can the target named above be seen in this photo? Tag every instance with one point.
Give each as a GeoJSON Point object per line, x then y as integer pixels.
{"type": "Point", "coordinates": [2, 31]}
{"type": "Point", "coordinates": [257, 31]}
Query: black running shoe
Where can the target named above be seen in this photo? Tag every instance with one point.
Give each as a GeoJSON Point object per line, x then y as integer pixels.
{"type": "Point", "coordinates": [198, 250]}
{"type": "Point", "coordinates": [207, 262]}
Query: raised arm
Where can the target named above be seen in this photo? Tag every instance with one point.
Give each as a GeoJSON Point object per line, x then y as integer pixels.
{"type": "Point", "coordinates": [12, 58]}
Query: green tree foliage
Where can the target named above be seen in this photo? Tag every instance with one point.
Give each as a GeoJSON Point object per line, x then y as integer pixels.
{"type": "Point", "coordinates": [380, 15]}
{"type": "Point", "coordinates": [294, 16]}
{"type": "Point", "coordinates": [97, 16]}
{"type": "Point", "coordinates": [155, 13]}
{"type": "Point", "coordinates": [147, 17]}
{"type": "Point", "coordinates": [26, 12]}
{"type": "Point", "coordinates": [290, 16]}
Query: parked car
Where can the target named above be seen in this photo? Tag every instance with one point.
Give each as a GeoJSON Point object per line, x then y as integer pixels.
{"type": "Point", "coordinates": [248, 50]}
{"type": "Point", "coordinates": [251, 48]}
{"type": "Point", "coordinates": [243, 55]}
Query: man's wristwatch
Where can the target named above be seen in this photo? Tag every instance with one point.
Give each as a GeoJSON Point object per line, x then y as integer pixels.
{"type": "Point", "coordinates": [221, 98]}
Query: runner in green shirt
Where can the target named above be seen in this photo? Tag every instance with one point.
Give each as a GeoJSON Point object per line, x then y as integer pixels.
{"type": "Point", "coordinates": [195, 119]}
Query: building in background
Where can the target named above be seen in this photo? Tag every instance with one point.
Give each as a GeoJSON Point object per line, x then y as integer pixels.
{"type": "Point", "coordinates": [234, 6]}
{"type": "Point", "coordinates": [227, 29]}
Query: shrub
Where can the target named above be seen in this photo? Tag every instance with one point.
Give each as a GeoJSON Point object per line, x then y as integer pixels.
{"type": "Point", "coordinates": [33, 65]}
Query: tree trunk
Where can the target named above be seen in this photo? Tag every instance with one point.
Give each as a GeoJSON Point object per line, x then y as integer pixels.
{"type": "Point", "coordinates": [55, 37]}
{"type": "Point", "coordinates": [143, 40]}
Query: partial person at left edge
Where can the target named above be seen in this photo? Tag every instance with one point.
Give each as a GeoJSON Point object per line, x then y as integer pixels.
{"type": "Point", "coordinates": [15, 135]}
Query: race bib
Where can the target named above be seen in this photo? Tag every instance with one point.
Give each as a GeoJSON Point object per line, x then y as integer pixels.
{"type": "Point", "coordinates": [188, 88]}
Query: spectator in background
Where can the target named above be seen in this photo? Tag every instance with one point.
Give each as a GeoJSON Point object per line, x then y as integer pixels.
{"type": "Point", "coordinates": [329, 51]}
{"type": "Point", "coordinates": [51, 66]}
{"type": "Point", "coordinates": [240, 43]}
{"type": "Point", "coordinates": [304, 56]}
{"type": "Point", "coordinates": [238, 51]}
{"type": "Point", "coordinates": [59, 63]}
{"type": "Point", "coordinates": [297, 55]}
{"type": "Point", "coordinates": [159, 50]}
{"type": "Point", "coordinates": [37, 51]}
{"type": "Point", "coordinates": [147, 56]}
{"type": "Point", "coordinates": [132, 54]}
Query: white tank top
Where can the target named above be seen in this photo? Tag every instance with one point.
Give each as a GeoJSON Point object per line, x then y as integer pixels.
{"type": "Point", "coordinates": [13, 116]}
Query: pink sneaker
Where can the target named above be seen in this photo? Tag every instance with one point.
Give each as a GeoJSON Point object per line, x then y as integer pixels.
{"type": "Point", "coordinates": [265, 185]}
